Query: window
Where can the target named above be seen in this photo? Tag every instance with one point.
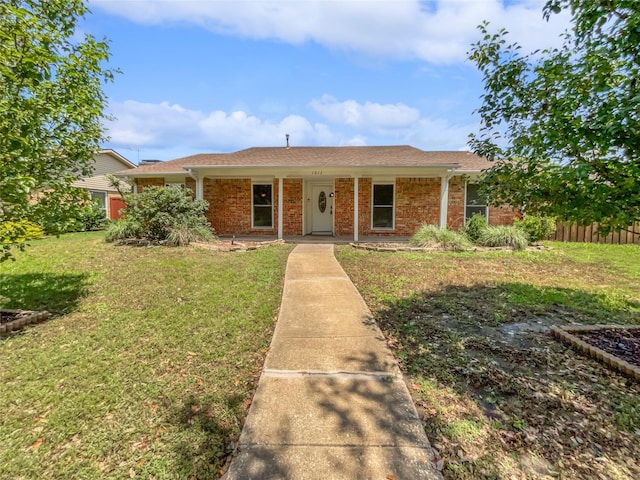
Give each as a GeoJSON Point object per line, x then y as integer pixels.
{"type": "Point", "coordinates": [99, 198]}
{"type": "Point", "coordinates": [262, 205]}
{"type": "Point", "coordinates": [474, 202]}
{"type": "Point", "coordinates": [382, 210]}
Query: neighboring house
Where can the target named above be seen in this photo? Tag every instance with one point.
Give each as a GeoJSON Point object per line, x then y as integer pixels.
{"type": "Point", "coordinates": [106, 162]}
{"type": "Point", "coordinates": [341, 191]}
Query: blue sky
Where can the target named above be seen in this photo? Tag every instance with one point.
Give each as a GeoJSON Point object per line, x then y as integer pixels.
{"type": "Point", "coordinates": [219, 75]}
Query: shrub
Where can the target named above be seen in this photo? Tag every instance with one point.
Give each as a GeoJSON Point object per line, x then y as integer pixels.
{"type": "Point", "coordinates": [474, 227]}
{"type": "Point", "coordinates": [432, 235]}
{"type": "Point", "coordinates": [19, 232]}
{"type": "Point", "coordinates": [162, 214]}
{"type": "Point", "coordinates": [503, 236]}
{"type": "Point", "coordinates": [536, 228]}
{"type": "Point", "coordinates": [92, 218]}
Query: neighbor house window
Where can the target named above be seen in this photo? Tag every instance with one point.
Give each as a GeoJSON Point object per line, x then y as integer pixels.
{"type": "Point", "coordinates": [474, 202]}
{"type": "Point", "coordinates": [99, 198]}
{"type": "Point", "coordinates": [382, 205]}
{"type": "Point", "coordinates": [262, 205]}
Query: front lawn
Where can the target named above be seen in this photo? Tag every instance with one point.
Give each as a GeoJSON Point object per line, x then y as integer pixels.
{"type": "Point", "coordinates": [500, 398]}
{"type": "Point", "coordinates": [147, 366]}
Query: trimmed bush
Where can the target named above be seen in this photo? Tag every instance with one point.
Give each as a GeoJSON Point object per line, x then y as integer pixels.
{"type": "Point", "coordinates": [503, 236]}
{"type": "Point", "coordinates": [434, 236]}
{"type": "Point", "coordinates": [536, 228]}
{"type": "Point", "coordinates": [474, 227]}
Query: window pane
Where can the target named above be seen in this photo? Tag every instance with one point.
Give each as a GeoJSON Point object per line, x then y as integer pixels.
{"type": "Point", "coordinates": [473, 198]}
{"type": "Point", "coordinates": [470, 210]}
{"type": "Point", "coordinates": [383, 194]}
{"type": "Point", "coordinates": [382, 217]}
{"type": "Point", "coordinates": [262, 194]}
{"type": "Point", "coordinates": [261, 216]}
{"type": "Point", "coordinates": [100, 198]}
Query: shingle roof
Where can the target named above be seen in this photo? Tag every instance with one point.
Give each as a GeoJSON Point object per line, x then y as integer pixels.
{"type": "Point", "coordinates": [386, 156]}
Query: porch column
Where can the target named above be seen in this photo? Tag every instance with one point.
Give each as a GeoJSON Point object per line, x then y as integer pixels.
{"type": "Point", "coordinates": [444, 199]}
{"type": "Point", "coordinates": [355, 209]}
{"type": "Point", "coordinates": [280, 207]}
{"type": "Point", "coordinates": [199, 187]}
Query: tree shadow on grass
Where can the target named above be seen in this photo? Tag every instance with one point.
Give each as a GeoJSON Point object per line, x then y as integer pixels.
{"type": "Point", "coordinates": [207, 438]}
{"type": "Point", "coordinates": [55, 293]}
{"type": "Point", "coordinates": [499, 386]}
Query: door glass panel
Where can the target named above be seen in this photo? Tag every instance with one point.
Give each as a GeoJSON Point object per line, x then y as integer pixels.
{"type": "Point", "coordinates": [322, 202]}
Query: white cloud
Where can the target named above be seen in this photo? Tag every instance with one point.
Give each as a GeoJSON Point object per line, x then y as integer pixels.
{"type": "Point", "coordinates": [388, 119]}
{"type": "Point", "coordinates": [168, 125]}
{"type": "Point", "coordinates": [438, 31]}
{"type": "Point", "coordinates": [173, 129]}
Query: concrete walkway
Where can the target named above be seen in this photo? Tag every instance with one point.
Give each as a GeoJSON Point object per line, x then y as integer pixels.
{"type": "Point", "coordinates": [331, 402]}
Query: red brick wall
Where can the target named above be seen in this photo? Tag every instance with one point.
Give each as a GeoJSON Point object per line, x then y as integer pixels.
{"type": "Point", "coordinates": [343, 206]}
{"type": "Point", "coordinates": [417, 201]}
{"type": "Point", "coordinates": [501, 216]}
{"type": "Point", "coordinates": [142, 183]}
{"type": "Point", "coordinates": [455, 214]}
{"type": "Point", "coordinates": [455, 211]}
{"type": "Point", "coordinates": [364, 206]}
{"type": "Point", "coordinates": [230, 206]}
{"type": "Point", "coordinates": [293, 203]}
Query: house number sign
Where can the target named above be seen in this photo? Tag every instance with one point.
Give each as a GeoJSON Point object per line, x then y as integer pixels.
{"type": "Point", "coordinates": [322, 202]}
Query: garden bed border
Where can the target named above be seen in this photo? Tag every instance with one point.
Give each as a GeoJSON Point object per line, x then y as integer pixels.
{"type": "Point", "coordinates": [30, 317]}
{"type": "Point", "coordinates": [565, 334]}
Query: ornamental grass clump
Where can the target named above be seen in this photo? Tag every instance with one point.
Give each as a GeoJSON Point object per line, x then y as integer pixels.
{"type": "Point", "coordinates": [434, 236]}
{"type": "Point", "coordinates": [504, 236]}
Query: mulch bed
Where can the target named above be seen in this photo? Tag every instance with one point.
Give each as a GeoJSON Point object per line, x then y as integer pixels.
{"type": "Point", "coordinates": [617, 346]}
{"type": "Point", "coordinates": [624, 344]}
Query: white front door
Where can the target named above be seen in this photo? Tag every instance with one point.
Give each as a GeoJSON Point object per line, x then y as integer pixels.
{"type": "Point", "coordinates": [322, 209]}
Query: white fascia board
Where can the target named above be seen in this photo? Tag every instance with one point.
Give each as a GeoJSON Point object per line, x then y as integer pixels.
{"type": "Point", "coordinates": [322, 171]}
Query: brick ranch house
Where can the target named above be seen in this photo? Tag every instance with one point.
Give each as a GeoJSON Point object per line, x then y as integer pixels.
{"type": "Point", "coordinates": [342, 191]}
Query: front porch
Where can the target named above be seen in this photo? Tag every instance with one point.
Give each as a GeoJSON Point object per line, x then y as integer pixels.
{"type": "Point", "coordinates": [325, 239]}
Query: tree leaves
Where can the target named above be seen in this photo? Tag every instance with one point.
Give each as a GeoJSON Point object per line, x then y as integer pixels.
{"type": "Point", "coordinates": [52, 104]}
{"type": "Point", "coordinates": [563, 125]}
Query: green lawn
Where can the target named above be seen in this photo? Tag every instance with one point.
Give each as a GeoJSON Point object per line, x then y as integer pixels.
{"type": "Point", "coordinates": [499, 397]}
{"type": "Point", "coordinates": [147, 365]}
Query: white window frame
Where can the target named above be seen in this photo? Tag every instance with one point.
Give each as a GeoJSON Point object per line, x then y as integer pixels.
{"type": "Point", "coordinates": [253, 225]}
{"type": "Point", "coordinates": [486, 207]}
{"type": "Point", "coordinates": [393, 205]}
{"type": "Point", "coordinates": [102, 194]}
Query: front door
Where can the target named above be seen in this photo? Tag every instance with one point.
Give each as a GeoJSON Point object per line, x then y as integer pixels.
{"type": "Point", "coordinates": [321, 209]}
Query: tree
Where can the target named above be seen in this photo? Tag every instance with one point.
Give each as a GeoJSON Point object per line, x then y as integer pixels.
{"type": "Point", "coordinates": [51, 104]}
{"type": "Point", "coordinates": [563, 125]}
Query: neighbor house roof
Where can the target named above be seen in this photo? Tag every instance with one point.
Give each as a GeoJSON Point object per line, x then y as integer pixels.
{"type": "Point", "coordinates": [384, 156]}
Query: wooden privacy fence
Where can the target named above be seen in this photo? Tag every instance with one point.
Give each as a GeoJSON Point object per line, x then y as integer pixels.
{"type": "Point", "coordinates": [589, 234]}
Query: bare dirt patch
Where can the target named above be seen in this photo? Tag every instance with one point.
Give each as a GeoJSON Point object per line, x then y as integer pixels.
{"type": "Point", "coordinates": [499, 396]}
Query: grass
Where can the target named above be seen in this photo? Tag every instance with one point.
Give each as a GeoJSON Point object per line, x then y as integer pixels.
{"type": "Point", "coordinates": [148, 364]}
{"type": "Point", "coordinates": [499, 397]}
